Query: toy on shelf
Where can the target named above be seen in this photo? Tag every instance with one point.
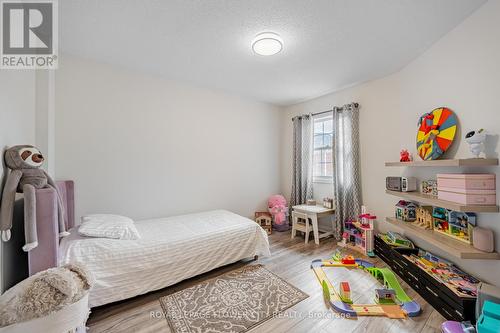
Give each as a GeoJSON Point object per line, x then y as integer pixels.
{"type": "Point", "coordinates": [392, 301]}
{"type": "Point", "coordinates": [429, 187]}
{"type": "Point", "coordinates": [406, 211]}
{"type": "Point", "coordinates": [264, 219]}
{"type": "Point", "coordinates": [358, 235]}
{"type": "Point", "coordinates": [440, 219]}
{"type": "Point", "coordinates": [405, 156]}
{"type": "Point", "coordinates": [436, 132]}
{"type": "Point", "coordinates": [401, 184]}
{"type": "Point", "coordinates": [482, 239]}
{"type": "Point", "coordinates": [345, 292]}
{"type": "Point", "coordinates": [458, 225]}
{"type": "Point", "coordinates": [278, 208]}
{"type": "Point", "coordinates": [385, 296]}
{"type": "Point", "coordinates": [476, 140]}
{"type": "Point", "coordinates": [461, 226]}
{"type": "Point", "coordinates": [459, 282]}
{"type": "Point", "coordinates": [424, 217]}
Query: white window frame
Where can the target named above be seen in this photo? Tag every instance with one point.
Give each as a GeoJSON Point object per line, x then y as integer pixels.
{"type": "Point", "coordinates": [321, 178]}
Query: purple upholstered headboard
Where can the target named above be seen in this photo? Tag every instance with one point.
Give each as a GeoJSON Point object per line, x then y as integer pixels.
{"type": "Point", "coordinates": [45, 255]}
{"type": "Point", "coordinates": [67, 191]}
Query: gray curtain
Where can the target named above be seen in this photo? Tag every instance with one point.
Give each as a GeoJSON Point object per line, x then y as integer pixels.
{"type": "Point", "coordinates": [302, 160]}
{"type": "Point", "coordinates": [346, 165]}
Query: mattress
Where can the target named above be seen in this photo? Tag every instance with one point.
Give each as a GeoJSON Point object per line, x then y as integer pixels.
{"type": "Point", "coordinates": [170, 250]}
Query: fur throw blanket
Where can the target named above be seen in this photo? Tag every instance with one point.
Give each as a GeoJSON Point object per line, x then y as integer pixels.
{"type": "Point", "coordinates": [44, 293]}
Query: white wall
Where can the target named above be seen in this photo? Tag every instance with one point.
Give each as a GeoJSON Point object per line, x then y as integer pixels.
{"type": "Point", "coordinates": [17, 126]}
{"type": "Point", "coordinates": [460, 71]}
{"type": "Point", "coordinates": [44, 119]}
{"type": "Point", "coordinates": [146, 147]}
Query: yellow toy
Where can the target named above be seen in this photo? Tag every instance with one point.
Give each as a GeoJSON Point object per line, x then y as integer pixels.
{"type": "Point", "coordinates": [424, 217]}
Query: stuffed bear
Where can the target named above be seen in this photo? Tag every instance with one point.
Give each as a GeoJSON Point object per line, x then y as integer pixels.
{"type": "Point", "coordinates": [25, 177]}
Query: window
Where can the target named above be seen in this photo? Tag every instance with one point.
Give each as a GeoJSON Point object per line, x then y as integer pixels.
{"type": "Point", "coordinates": [322, 145]}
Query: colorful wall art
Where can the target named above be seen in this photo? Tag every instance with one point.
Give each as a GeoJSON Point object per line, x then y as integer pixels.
{"type": "Point", "coordinates": [436, 132]}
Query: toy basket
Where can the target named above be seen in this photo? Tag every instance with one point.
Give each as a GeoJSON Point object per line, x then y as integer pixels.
{"type": "Point", "coordinates": [69, 319]}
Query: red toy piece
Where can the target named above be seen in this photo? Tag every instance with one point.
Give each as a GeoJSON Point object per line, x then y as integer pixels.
{"type": "Point", "coordinates": [404, 156]}
{"type": "Point", "coordinates": [348, 260]}
{"type": "Point", "coordinates": [345, 292]}
{"type": "Point", "coordinates": [365, 220]}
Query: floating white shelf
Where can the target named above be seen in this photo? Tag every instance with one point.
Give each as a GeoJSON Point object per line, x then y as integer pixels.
{"type": "Point", "coordinates": [433, 201]}
{"type": "Point", "coordinates": [449, 245]}
{"type": "Point", "coordinates": [476, 162]}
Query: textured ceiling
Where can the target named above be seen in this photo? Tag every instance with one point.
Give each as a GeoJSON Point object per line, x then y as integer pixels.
{"type": "Point", "coordinates": [329, 44]}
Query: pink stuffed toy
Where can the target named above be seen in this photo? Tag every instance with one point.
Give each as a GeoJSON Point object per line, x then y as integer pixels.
{"type": "Point", "coordinates": [277, 208]}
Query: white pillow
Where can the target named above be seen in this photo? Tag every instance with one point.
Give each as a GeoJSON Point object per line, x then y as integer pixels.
{"type": "Point", "coordinates": [108, 226]}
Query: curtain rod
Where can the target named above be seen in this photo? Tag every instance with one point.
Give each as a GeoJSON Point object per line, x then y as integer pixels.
{"type": "Point", "coordinates": [322, 112]}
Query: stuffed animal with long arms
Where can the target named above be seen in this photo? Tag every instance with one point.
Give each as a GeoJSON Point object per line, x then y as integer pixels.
{"type": "Point", "coordinates": [26, 177]}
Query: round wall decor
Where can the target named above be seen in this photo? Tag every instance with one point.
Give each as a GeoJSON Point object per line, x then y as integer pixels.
{"type": "Point", "coordinates": [436, 132]}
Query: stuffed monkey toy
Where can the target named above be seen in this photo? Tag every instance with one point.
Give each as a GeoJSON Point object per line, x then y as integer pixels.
{"type": "Point", "coordinates": [25, 177]}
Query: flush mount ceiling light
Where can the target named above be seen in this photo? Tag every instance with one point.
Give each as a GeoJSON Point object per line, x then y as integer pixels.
{"type": "Point", "coordinates": [267, 43]}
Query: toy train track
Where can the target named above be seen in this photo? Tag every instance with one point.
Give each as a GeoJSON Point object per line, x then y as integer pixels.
{"type": "Point", "coordinates": [398, 307]}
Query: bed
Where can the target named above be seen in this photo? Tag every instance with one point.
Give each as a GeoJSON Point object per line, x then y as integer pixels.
{"type": "Point", "coordinates": [170, 250]}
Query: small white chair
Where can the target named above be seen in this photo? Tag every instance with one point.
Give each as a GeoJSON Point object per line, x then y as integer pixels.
{"type": "Point", "coordinates": [301, 222]}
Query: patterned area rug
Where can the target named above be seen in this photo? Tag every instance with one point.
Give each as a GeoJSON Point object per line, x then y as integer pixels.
{"type": "Point", "coordinates": [233, 302]}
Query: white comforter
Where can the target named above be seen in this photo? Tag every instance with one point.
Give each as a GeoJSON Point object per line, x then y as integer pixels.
{"type": "Point", "coordinates": [170, 250]}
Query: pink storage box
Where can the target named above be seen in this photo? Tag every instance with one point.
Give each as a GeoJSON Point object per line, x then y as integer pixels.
{"type": "Point", "coordinates": [475, 181]}
{"type": "Point", "coordinates": [468, 197]}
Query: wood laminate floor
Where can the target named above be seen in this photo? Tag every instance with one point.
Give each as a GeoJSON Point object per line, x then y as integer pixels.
{"type": "Point", "coordinates": [291, 260]}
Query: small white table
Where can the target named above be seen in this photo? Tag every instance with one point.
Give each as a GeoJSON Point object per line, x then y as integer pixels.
{"type": "Point", "coordinates": [314, 213]}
